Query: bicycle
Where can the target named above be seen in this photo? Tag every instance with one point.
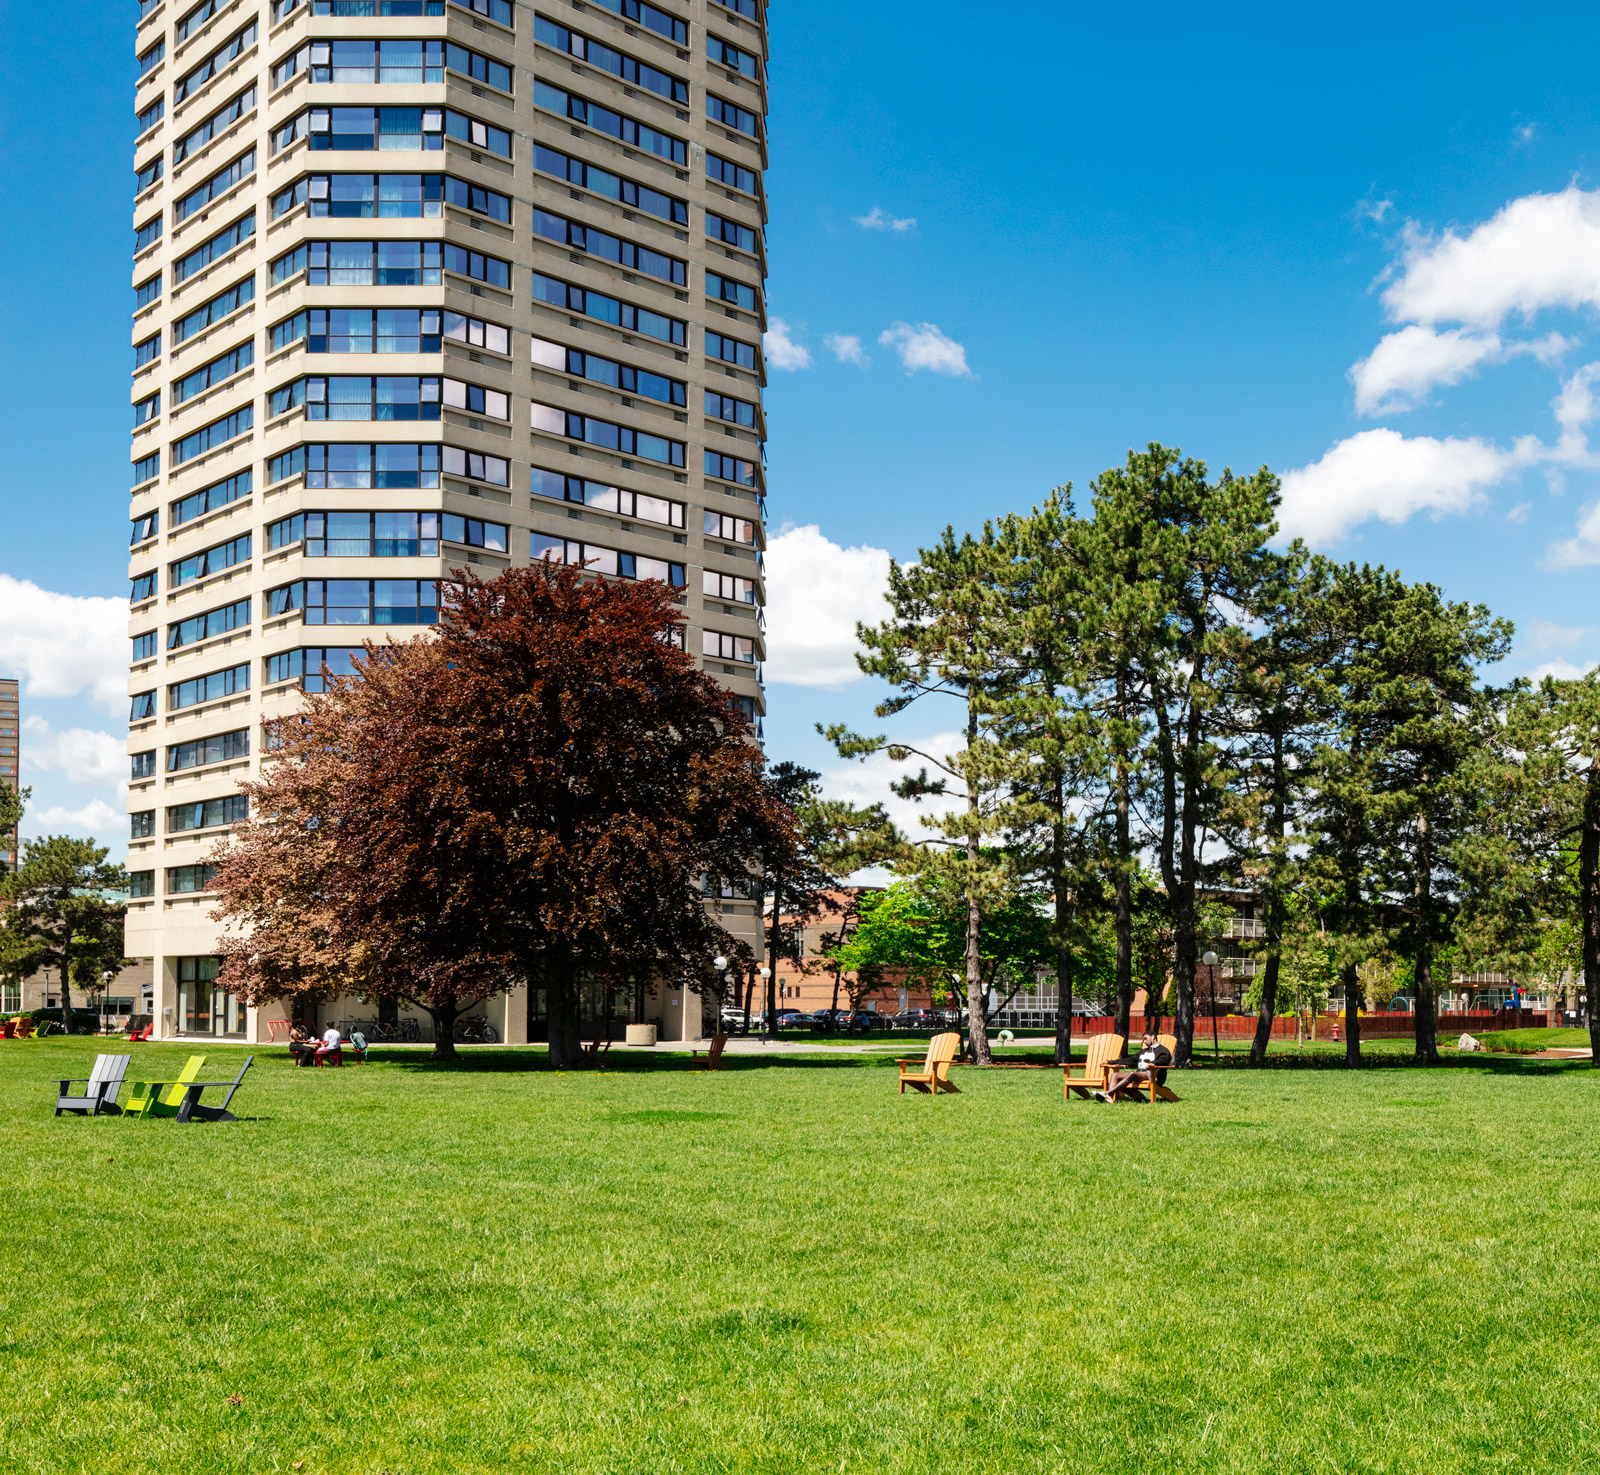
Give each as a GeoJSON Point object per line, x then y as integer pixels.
{"type": "Point", "coordinates": [476, 1032]}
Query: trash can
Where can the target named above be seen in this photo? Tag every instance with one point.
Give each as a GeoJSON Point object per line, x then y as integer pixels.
{"type": "Point", "coordinates": [641, 1034]}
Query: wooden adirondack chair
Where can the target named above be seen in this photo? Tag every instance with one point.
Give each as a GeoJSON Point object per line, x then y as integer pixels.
{"type": "Point", "coordinates": [933, 1074]}
{"type": "Point", "coordinates": [100, 1087]}
{"type": "Point", "coordinates": [192, 1109]}
{"type": "Point", "coordinates": [147, 1099]}
{"type": "Point", "coordinates": [714, 1054]}
{"type": "Point", "coordinates": [8, 1030]}
{"type": "Point", "coordinates": [141, 1034]}
{"type": "Point", "coordinates": [1154, 1089]}
{"type": "Point", "coordinates": [1103, 1049]}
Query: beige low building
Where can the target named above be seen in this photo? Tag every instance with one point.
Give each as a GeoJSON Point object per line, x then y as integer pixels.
{"type": "Point", "coordinates": [417, 284]}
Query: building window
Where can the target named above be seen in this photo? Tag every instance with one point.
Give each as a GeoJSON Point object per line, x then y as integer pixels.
{"type": "Point", "coordinates": [210, 498]}
{"type": "Point", "coordinates": [569, 298]}
{"type": "Point", "coordinates": [145, 528]}
{"type": "Point", "coordinates": [203, 1007]}
{"type": "Point", "coordinates": [577, 364]}
{"type": "Point", "coordinates": [731, 468]}
{"type": "Point", "coordinates": [607, 498]}
{"type": "Point", "coordinates": [147, 234]}
{"type": "Point", "coordinates": [725, 53]}
{"type": "Point", "coordinates": [144, 178]}
{"type": "Point", "coordinates": [142, 707]}
{"type": "Point", "coordinates": [218, 433]}
{"type": "Point", "coordinates": [216, 248]}
{"type": "Point", "coordinates": [209, 561]}
{"type": "Point", "coordinates": [211, 687]}
{"type": "Point", "coordinates": [146, 410]}
{"type": "Point", "coordinates": [146, 352]}
{"type": "Point", "coordinates": [222, 747]}
{"type": "Point", "coordinates": [207, 626]}
{"type": "Point", "coordinates": [207, 814]}
{"type": "Point", "coordinates": [215, 310]}
{"type": "Point", "coordinates": [727, 586]}
{"type": "Point", "coordinates": [360, 601]}
{"type": "Point", "coordinates": [726, 407]}
{"type": "Point", "coordinates": [735, 176]}
{"type": "Point", "coordinates": [217, 124]}
{"type": "Point", "coordinates": [398, 398]}
{"type": "Point", "coordinates": [215, 187]}
{"type": "Point", "coordinates": [360, 467]}
{"type": "Point", "coordinates": [150, 58]}
{"type": "Point", "coordinates": [142, 826]}
{"type": "Point", "coordinates": [617, 125]}
{"type": "Point", "coordinates": [732, 351]}
{"type": "Point", "coordinates": [144, 587]}
{"type": "Point", "coordinates": [141, 883]}
{"type": "Point", "coordinates": [725, 289]}
{"type": "Point", "coordinates": [612, 248]}
{"type": "Point", "coordinates": [543, 549]}
{"type": "Point", "coordinates": [143, 765]}
{"type": "Point", "coordinates": [622, 439]}
{"type": "Point", "coordinates": [147, 292]}
{"type": "Point", "coordinates": [361, 330]}
{"type": "Point", "coordinates": [613, 186]}
{"type": "Point", "coordinates": [730, 232]}
{"type": "Point", "coordinates": [729, 647]}
{"type": "Point", "coordinates": [234, 361]}
{"type": "Point", "coordinates": [733, 529]}
{"type": "Point", "coordinates": [651, 17]}
{"type": "Point", "coordinates": [146, 120]}
{"type": "Point", "coordinates": [307, 665]}
{"type": "Point", "coordinates": [147, 468]}
{"type": "Point", "coordinates": [219, 60]}
{"type": "Point", "coordinates": [197, 17]}
{"type": "Point", "coordinates": [608, 59]}
{"type": "Point", "coordinates": [746, 8]}
{"type": "Point", "coordinates": [144, 646]}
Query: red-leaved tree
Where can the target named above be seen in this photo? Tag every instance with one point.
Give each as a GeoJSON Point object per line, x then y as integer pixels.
{"type": "Point", "coordinates": [534, 795]}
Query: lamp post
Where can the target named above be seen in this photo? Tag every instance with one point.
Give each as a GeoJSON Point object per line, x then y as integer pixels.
{"type": "Point", "coordinates": [1210, 960]}
{"type": "Point", "coordinates": [770, 1000]}
{"type": "Point", "coordinates": [105, 988]}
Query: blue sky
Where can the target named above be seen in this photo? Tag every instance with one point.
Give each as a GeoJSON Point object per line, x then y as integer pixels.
{"type": "Point", "coordinates": [1129, 223]}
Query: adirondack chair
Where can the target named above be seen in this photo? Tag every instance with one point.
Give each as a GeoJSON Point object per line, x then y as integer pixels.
{"type": "Point", "coordinates": [1103, 1049]}
{"type": "Point", "coordinates": [141, 1034]}
{"type": "Point", "coordinates": [100, 1087]}
{"type": "Point", "coordinates": [1154, 1088]}
{"type": "Point", "coordinates": [714, 1054]}
{"type": "Point", "coordinates": [147, 1099]}
{"type": "Point", "coordinates": [931, 1076]}
{"type": "Point", "coordinates": [8, 1030]}
{"type": "Point", "coordinates": [192, 1109]}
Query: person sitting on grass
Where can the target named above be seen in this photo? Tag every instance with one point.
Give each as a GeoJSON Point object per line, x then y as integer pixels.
{"type": "Point", "coordinates": [329, 1048]}
{"type": "Point", "coordinates": [1154, 1058]}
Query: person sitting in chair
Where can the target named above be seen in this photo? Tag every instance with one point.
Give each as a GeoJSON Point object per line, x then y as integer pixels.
{"type": "Point", "coordinates": [299, 1044]}
{"type": "Point", "coordinates": [1154, 1058]}
{"type": "Point", "coordinates": [329, 1048]}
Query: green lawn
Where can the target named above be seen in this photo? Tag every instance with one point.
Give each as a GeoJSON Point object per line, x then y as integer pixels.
{"type": "Point", "coordinates": [1527, 1041]}
{"type": "Point", "coordinates": [787, 1267]}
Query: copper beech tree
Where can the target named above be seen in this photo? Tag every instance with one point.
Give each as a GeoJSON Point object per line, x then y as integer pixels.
{"type": "Point", "coordinates": [535, 795]}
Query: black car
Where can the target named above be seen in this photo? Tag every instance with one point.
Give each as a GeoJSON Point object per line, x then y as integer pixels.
{"type": "Point", "coordinates": [919, 1019]}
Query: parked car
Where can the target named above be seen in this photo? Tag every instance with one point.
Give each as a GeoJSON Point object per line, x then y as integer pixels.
{"type": "Point", "coordinates": [790, 1019]}
{"type": "Point", "coordinates": [918, 1019]}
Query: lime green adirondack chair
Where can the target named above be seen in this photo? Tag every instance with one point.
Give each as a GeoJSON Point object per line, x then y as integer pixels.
{"type": "Point", "coordinates": [143, 1099]}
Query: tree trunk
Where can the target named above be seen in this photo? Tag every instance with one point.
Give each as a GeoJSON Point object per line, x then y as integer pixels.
{"type": "Point", "coordinates": [444, 1016]}
{"type": "Point", "coordinates": [1352, 1017]}
{"type": "Point", "coordinates": [1058, 865]}
{"type": "Point", "coordinates": [566, 1028]}
{"type": "Point", "coordinates": [66, 992]}
{"type": "Point", "coordinates": [1275, 834]}
{"type": "Point", "coordinates": [774, 933]}
{"type": "Point", "coordinates": [1589, 900]}
{"type": "Point", "coordinates": [1124, 900]}
{"type": "Point", "coordinates": [1427, 1044]}
{"type": "Point", "coordinates": [977, 1024]}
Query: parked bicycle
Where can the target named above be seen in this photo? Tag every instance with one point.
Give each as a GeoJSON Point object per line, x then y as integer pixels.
{"type": "Point", "coordinates": [476, 1031]}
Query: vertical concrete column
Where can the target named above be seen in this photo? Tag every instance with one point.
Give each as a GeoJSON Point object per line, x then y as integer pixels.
{"type": "Point", "coordinates": [166, 997]}
{"type": "Point", "coordinates": [514, 1026]}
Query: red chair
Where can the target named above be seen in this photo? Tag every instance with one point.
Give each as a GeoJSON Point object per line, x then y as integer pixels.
{"type": "Point", "coordinates": [8, 1030]}
{"type": "Point", "coordinates": [142, 1034]}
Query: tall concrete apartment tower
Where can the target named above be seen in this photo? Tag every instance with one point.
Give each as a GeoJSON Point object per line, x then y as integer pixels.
{"type": "Point", "coordinates": [10, 761]}
{"type": "Point", "coordinates": [418, 284]}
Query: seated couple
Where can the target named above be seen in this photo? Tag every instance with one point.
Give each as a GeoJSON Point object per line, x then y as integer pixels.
{"type": "Point", "coordinates": [1154, 1058]}
{"type": "Point", "coordinates": [301, 1047]}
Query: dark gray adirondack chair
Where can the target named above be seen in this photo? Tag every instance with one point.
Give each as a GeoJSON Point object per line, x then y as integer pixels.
{"type": "Point", "coordinates": [194, 1110]}
{"type": "Point", "coordinates": [100, 1087]}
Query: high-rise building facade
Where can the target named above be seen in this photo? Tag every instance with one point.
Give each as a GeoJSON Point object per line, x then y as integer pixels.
{"type": "Point", "coordinates": [421, 284]}
{"type": "Point", "coordinates": [10, 760]}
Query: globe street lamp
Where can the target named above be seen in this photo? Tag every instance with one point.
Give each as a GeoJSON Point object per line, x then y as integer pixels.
{"type": "Point", "coordinates": [769, 1002]}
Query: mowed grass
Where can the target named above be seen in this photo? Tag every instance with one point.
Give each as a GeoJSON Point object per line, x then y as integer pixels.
{"type": "Point", "coordinates": [787, 1266]}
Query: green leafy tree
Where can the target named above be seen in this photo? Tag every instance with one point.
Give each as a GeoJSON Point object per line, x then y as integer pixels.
{"type": "Point", "coordinates": [943, 640]}
{"type": "Point", "coordinates": [1199, 549]}
{"type": "Point", "coordinates": [62, 913]}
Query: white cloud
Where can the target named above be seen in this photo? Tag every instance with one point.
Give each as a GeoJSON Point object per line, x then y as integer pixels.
{"type": "Point", "coordinates": [1541, 635]}
{"type": "Point", "coordinates": [880, 219]}
{"type": "Point", "coordinates": [1519, 513]}
{"type": "Point", "coordinates": [64, 644]}
{"type": "Point", "coordinates": [1582, 550]}
{"type": "Point", "coordinates": [846, 347]}
{"type": "Point", "coordinates": [96, 818]}
{"type": "Point", "coordinates": [1526, 133]}
{"type": "Point", "coordinates": [866, 781]}
{"type": "Point", "coordinates": [84, 756]}
{"type": "Point", "coordinates": [1379, 473]}
{"type": "Point", "coordinates": [1561, 670]}
{"type": "Point", "coordinates": [1406, 365]}
{"type": "Point", "coordinates": [1539, 251]}
{"type": "Point", "coordinates": [817, 591]}
{"type": "Point", "coordinates": [926, 347]}
{"type": "Point", "coordinates": [781, 351]}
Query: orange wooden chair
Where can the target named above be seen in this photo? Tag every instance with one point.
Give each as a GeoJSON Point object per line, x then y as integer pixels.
{"type": "Point", "coordinates": [1103, 1049]}
{"type": "Point", "coordinates": [933, 1073]}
